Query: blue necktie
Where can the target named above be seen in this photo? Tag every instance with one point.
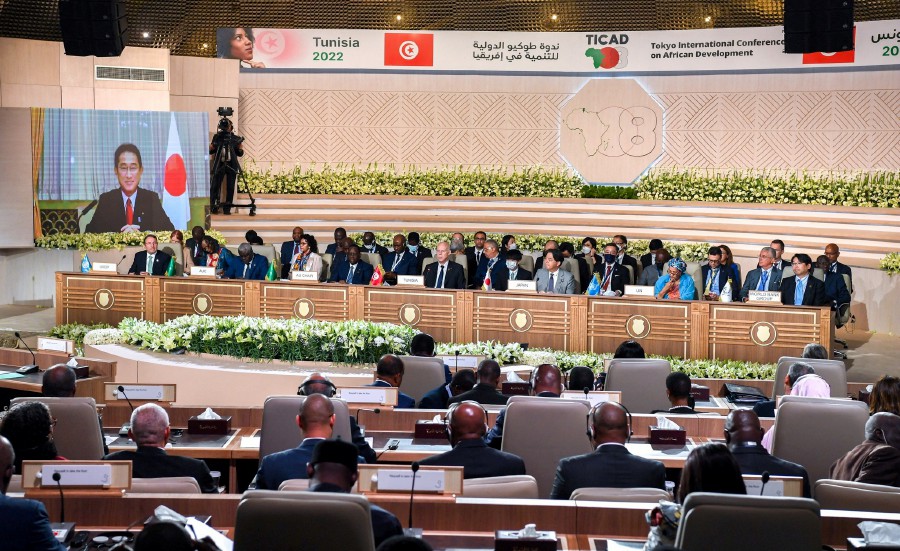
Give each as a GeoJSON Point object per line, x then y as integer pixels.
{"type": "Point", "coordinates": [798, 294]}
{"type": "Point", "coordinates": [763, 281]}
{"type": "Point", "coordinates": [551, 287]}
{"type": "Point", "coordinates": [440, 279]}
{"type": "Point", "coordinates": [350, 274]}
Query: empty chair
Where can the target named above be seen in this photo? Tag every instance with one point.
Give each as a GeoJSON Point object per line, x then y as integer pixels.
{"type": "Point", "coordinates": [165, 485]}
{"type": "Point", "coordinates": [833, 371]}
{"type": "Point", "coordinates": [857, 496]}
{"type": "Point", "coordinates": [544, 430]}
{"type": "Point", "coordinates": [268, 520]}
{"type": "Point", "coordinates": [327, 261]}
{"type": "Point", "coordinates": [279, 425]}
{"type": "Point", "coordinates": [421, 374]}
{"type": "Point", "coordinates": [177, 252]}
{"type": "Point", "coordinates": [571, 265]}
{"type": "Point", "coordinates": [77, 432]}
{"type": "Point", "coordinates": [642, 383]}
{"type": "Point", "coordinates": [527, 263]}
{"type": "Point", "coordinates": [748, 523]}
{"type": "Point", "coordinates": [695, 270]}
{"type": "Point", "coordinates": [463, 261]}
{"type": "Point", "coordinates": [520, 486]}
{"type": "Point", "coordinates": [426, 262]}
{"type": "Point", "coordinates": [270, 253]}
{"type": "Point", "coordinates": [816, 432]}
{"type": "Point", "coordinates": [637, 495]}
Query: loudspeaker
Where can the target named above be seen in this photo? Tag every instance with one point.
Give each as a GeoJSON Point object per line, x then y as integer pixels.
{"type": "Point", "coordinates": [818, 26]}
{"type": "Point", "coordinates": [93, 27]}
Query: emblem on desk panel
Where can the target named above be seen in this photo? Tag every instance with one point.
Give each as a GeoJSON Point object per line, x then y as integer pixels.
{"type": "Point", "coordinates": [763, 333]}
{"type": "Point", "coordinates": [520, 320]}
{"type": "Point", "coordinates": [637, 327]}
{"type": "Point", "coordinates": [304, 308]}
{"type": "Point", "coordinates": [410, 314]}
{"type": "Point", "coordinates": [202, 303]}
{"type": "Point", "coordinates": [104, 299]}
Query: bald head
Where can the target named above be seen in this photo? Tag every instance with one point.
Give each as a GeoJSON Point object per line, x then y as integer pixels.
{"type": "Point", "coordinates": [7, 459]}
{"type": "Point", "coordinates": [316, 418]}
{"type": "Point", "coordinates": [467, 422]}
{"type": "Point", "coordinates": [610, 424]}
{"type": "Point", "coordinates": [150, 426]}
{"type": "Point", "coordinates": [58, 382]}
{"type": "Point", "coordinates": [317, 386]}
{"type": "Point", "coordinates": [546, 378]}
{"type": "Point", "coordinates": [742, 426]}
{"type": "Point", "coordinates": [488, 372]}
{"type": "Point", "coordinates": [884, 427]}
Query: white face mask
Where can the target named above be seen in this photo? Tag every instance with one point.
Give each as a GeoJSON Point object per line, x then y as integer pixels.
{"type": "Point", "coordinates": [511, 264]}
{"type": "Point", "coordinates": [511, 246]}
{"type": "Point", "coordinates": [586, 250]}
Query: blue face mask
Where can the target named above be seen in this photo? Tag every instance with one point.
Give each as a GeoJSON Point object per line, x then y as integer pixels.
{"type": "Point", "coordinates": [609, 258]}
{"type": "Point", "coordinates": [413, 248]}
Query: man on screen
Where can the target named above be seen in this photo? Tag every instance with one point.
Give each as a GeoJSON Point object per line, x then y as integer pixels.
{"type": "Point", "coordinates": [129, 208]}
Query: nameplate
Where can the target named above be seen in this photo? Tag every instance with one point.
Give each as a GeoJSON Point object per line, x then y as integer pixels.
{"type": "Point", "coordinates": [308, 277]}
{"type": "Point", "coordinates": [379, 395]}
{"type": "Point", "coordinates": [140, 393]}
{"type": "Point", "coordinates": [522, 285]}
{"type": "Point", "coordinates": [56, 345]}
{"type": "Point", "coordinates": [104, 267]}
{"type": "Point", "coordinates": [777, 486]}
{"type": "Point", "coordinates": [203, 271]}
{"type": "Point", "coordinates": [765, 297]}
{"type": "Point", "coordinates": [400, 480]}
{"type": "Point", "coordinates": [411, 280]}
{"type": "Point", "coordinates": [461, 361]}
{"type": "Point", "coordinates": [639, 291]}
{"type": "Point", "coordinates": [73, 474]}
{"type": "Point", "coordinates": [593, 397]}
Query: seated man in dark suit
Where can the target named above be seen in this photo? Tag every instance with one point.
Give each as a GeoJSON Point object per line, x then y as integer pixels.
{"type": "Point", "coordinates": [877, 459]}
{"type": "Point", "coordinates": [249, 265]}
{"type": "Point", "coordinates": [289, 251]}
{"type": "Point", "coordinates": [339, 235]}
{"type": "Point", "coordinates": [743, 435]}
{"type": "Point", "coordinates": [802, 289]}
{"type": "Point", "coordinates": [316, 421]}
{"type": "Point", "coordinates": [352, 270]}
{"type": "Point", "coordinates": [389, 373]}
{"type": "Point", "coordinates": [25, 525]}
{"type": "Point", "coordinates": [494, 263]}
{"type": "Point", "coordinates": [835, 287]}
{"type": "Point", "coordinates": [485, 392]}
{"type": "Point", "coordinates": [59, 382]}
{"type": "Point", "coordinates": [372, 247]}
{"type": "Point", "coordinates": [613, 277]}
{"type": "Point", "coordinates": [832, 252]}
{"type": "Point", "coordinates": [466, 427]}
{"type": "Point", "coordinates": [546, 382]}
{"type": "Point", "coordinates": [198, 256]}
{"type": "Point", "coordinates": [580, 378]}
{"type": "Point", "coordinates": [333, 467]}
{"type": "Point", "coordinates": [150, 261]}
{"type": "Point", "coordinates": [717, 278]}
{"type": "Point", "coordinates": [678, 390]}
{"type": "Point", "coordinates": [445, 273]}
{"type": "Point", "coordinates": [516, 272]}
{"type": "Point", "coordinates": [437, 398]}
{"type": "Point", "coordinates": [150, 431]}
{"type": "Point", "coordinates": [611, 465]}
{"type": "Point", "coordinates": [418, 250]}
{"type": "Point", "coordinates": [400, 261]}
{"type": "Point", "coordinates": [317, 383]}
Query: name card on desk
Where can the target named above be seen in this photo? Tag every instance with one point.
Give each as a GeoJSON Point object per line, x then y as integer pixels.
{"type": "Point", "coordinates": [76, 475]}
{"type": "Point", "coordinates": [466, 361]}
{"type": "Point", "coordinates": [104, 267]}
{"type": "Point", "coordinates": [777, 486]}
{"type": "Point", "coordinates": [203, 271]}
{"type": "Point", "coordinates": [768, 297]}
{"type": "Point", "coordinates": [522, 285]}
{"type": "Point", "coordinates": [594, 397]}
{"type": "Point", "coordinates": [56, 345]}
{"type": "Point", "coordinates": [411, 280]}
{"type": "Point", "coordinates": [380, 395]}
{"type": "Point", "coordinates": [105, 476]}
{"type": "Point", "coordinates": [305, 277]}
{"type": "Point", "coordinates": [145, 393]}
{"type": "Point", "coordinates": [639, 291]}
{"type": "Point", "coordinates": [429, 479]}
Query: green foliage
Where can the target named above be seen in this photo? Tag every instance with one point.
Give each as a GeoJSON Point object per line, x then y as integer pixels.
{"type": "Point", "coordinates": [439, 182]}
{"type": "Point", "coordinates": [107, 241]}
{"type": "Point", "coordinates": [871, 189]}
{"type": "Point", "coordinates": [891, 263]}
{"type": "Point", "coordinates": [608, 192]}
{"type": "Point", "coordinates": [75, 332]}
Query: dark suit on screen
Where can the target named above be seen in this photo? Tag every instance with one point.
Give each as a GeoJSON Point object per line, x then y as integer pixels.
{"type": "Point", "coordinates": [362, 275]}
{"type": "Point", "coordinates": [454, 278]}
{"type": "Point", "coordinates": [478, 460]}
{"type": "Point", "coordinates": [610, 466]}
{"type": "Point", "coordinates": [110, 213]}
{"type": "Point", "coordinates": [160, 263]}
{"type": "Point", "coordinates": [153, 462]}
{"type": "Point", "coordinates": [756, 460]}
{"type": "Point", "coordinates": [813, 294]}
{"type": "Point", "coordinates": [25, 526]}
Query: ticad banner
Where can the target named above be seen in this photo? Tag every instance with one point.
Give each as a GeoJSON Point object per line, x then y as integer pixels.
{"type": "Point", "coordinates": [582, 53]}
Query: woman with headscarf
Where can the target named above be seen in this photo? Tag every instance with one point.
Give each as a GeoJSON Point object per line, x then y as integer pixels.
{"type": "Point", "coordinates": [675, 284]}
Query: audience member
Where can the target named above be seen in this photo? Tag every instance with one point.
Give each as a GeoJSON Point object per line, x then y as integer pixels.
{"type": "Point", "coordinates": [400, 261]}
{"type": "Point", "coordinates": [176, 238]}
{"type": "Point", "coordinates": [678, 391]}
{"type": "Point", "coordinates": [317, 383]}
{"type": "Point", "coordinates": [729, 263]}
{"type": "Point", "coordinates": [835, 288]}
{"type": "Point", "coordinates": [485, 391]}
{"type": "Point", "coordinates": [764, 277]}
{"type": "Point", "coordinates": [418, 250]}
{"type": "Point", "coordinates": [492, 274]}
{"type": "Point", "coordinates": [333, 467]}
{"type": "Point", "coordinates": [340, 255]}
{"type": "Point", "coordinates": [766, 408]}
{"type": "Point", "coordinates": [802, 289]}
{"type": "Point", "coordinates": [546, 382]}
{"type": "Point", "coordinates": [650, 257]}
{"type": "Point", "coordinates": [814, 351]}
{"type": "Point", "coordinates": [552, 279]}
{"type": "Point", "coordinates": [654, 271]}
{"type": "Point", "coordinates": [150, 432]}
{"type": "Point", "coordinates": [251, 266]}
{"type": "Point", "coordinates": [150, 261]}
{"type": "Point", "coordinates": [438, 398]}
{"type": "Point", "coordinates": [624, 259]}
{"type": "Point", "coordinates": [253, 238]}
{"type": "Point", "coordinates": [779, 262]}
{"type": "Point", "coordinates": [588, 249]}
{"type": "Point", "coordinates": [458, 244]}
{"type": "Point", "coordinates": [877, 459]}
{"type": "Point", "coordinates": [389, 373]}
{"type": "Point", "coordinates": [216, 255]}
{"type": "Point", "coordinates": [473, 255]}
{"type": "Point", "coordinates": [422, 345]}
{"type": "Point", "coordinates": [290, 251]}
{"type": "Point", "coordinates": [25, 526]}
{"type": "Point", "coordinates": [445, 273]}
{"type": "Point", "coordinates": [29, 428]}
{"type": "Point", "coordinates": [58, 382]}
{"type": "Point", "coordinates": [743, 435]}
{"type": "Point", "coordinates": [802, 381]}
{"type": "Point", "coordinates": [372, 247]}
{"type": "Point", "coordinates": [507, 243]}
{"type": "Point", "coordinates": [580, 378]}
{"type": "Point", "coordinates": [629, 349]}
{"type": "Point", "coordinates": [193, 250]}
{"type": "Point", "coordinates": [352, 270]}
{"type": "Point", "coordinates": [613, 277]}
{"type": "Point", "coordinates": [832, 252]}
{"type": "Point", "coordinates": [717, 280]}
{"type": "Point", "coordinates": [466, 428]}
{"type": "Point", "coordinates": [611, 465]}
{"type": "Point", "coordinates": [885, 396]}
{"type": "Point", "coordinates": [339, 235]}
{"type": "Point", "coordinates": [516, 272]}
{"type": "Point", "coordinates": [675, 284]}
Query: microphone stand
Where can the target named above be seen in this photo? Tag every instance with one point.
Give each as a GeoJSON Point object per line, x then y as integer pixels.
{"type": "Point", "coordinates": [123, 431]}
{"type": "Point", "coordinates": [410, 531]}
{"type": "Point", "coordinates": [26, 369]}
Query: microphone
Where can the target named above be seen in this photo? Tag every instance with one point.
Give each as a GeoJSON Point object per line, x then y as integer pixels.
{"type": "Point", "coordinates": [456, 368]}
{"type": "Point", "coordinates": [587, 391]}
{"type": "Point", "coordinates": [88, 208]}
{"type": "Point", "coordinates": [125, 426]}
{"type": "Point", "coordinates": [120, 261]}
{"type": "Point", "coordinates": [26, 369]}
{"type": "Point", "coordinates": [376, 411]}
{"type": "Point", "coordinates": [410, 531]}
{"type": "Point", "coordinates": [765, 480]}
{"type": "Point", "coordinates": [62, 530]}
{"type": "Point", "coordinates": [62, 502]}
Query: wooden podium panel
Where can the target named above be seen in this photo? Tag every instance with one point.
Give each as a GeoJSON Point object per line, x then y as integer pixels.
{"type": "Point", "coordinates": [661, 326]}
{"type": "Point", "coordinates": [763, 334]}
{"type": "Point", "coordinates": [215, 297]}
{"type": "Point", "coordinates": [304, 301]}
{"type": "Point", "coordinates": [540, 320]}
{"type": "Point", "coordinates": [433, 311]}
{"type": "Point", "coordinates": [91, 298]}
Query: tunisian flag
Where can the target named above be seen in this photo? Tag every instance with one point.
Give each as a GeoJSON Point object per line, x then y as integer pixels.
{"type": "Point", "coordinates": [175, 197]}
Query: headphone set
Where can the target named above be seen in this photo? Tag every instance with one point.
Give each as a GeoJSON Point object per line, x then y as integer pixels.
{"type": "Point", "coordinates": [303, 390]}
{"type": "Point", "coordinates": [453, 408]}
{"type": "Point", "coordinates": [590, 418]}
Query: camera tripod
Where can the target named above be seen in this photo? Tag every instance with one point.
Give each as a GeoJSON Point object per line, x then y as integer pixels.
{"type": "Point", "coordinates": [220, 171]}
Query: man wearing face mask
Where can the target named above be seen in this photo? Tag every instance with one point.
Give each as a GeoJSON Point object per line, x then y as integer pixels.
{"type": "Point", "coordinates": [655, 271]}
{"type": "Point", "coordinates": [623, 259]}
{"type": "Point", "coordinates": [416, 249]}
{"type": "Point", "coordinates": [371, 246]}
{"type": "Point", "coordinates": [513, 257]}
{"type": "Point", "coordinates": [611, 274]}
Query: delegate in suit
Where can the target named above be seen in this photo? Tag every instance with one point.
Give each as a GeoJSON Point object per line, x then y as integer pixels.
{"type": "Point", "coordinates": [494, 263]}
{"type": "Point", "coordinates": [563, 281]}
{"type": "Point", "coordinates": [352, 270]}
{"type": "Point", "coordinates": [445, 273]}
{"type": "Point", "coordinates": [151, 260]}
{"type": "Point", "coordinates": [400, 261]}
{"type": "Point", "coordinates": [129, 208]}
{"type": "Point", "coordinates": [802, 289]}
{"type": "Point", "coordinates": [764, 278]}
{"type": "Point", "coordinates": [250, 265]}
{"type": "Point", "coordinates": [612, 276]}
{"type": "Point", "coordinates": [877, 459]}
{"type": "Point", "coordinates": [289, 251]}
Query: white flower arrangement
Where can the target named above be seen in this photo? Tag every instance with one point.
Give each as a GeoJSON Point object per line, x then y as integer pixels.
{"type": "Point", "coordinates": [104, 336]}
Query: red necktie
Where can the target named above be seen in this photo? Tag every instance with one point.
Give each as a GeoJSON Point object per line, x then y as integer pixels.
{"type": "Point", "coordinates": [296, 249]}
{"type": "Point", "coordinates": [607, 278]}
{"type": "Point", "coordinates": [129, 212]}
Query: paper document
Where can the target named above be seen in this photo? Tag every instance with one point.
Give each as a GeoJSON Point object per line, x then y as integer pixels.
{"type": "Point", "coordinates": [250, 441]}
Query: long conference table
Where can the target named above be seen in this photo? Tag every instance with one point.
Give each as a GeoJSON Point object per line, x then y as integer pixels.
{"type": "Point", "coordinates": [577, 323]}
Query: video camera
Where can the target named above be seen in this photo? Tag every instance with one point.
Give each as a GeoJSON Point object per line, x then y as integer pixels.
{"type": "Point", "coordinates": [227, 137]}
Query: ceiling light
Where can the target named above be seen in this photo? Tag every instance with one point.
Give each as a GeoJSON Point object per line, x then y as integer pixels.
{"type": "Point", "coordinates": [204, 46]}
{"type": "Point", "coordinates": [145, 34]}
{"type": "Point", "coordinates": [707, 18]}
{"type": "Point", "coordinates": [554, 17]}
{"type": "Point", "coordinates": [398, 17]}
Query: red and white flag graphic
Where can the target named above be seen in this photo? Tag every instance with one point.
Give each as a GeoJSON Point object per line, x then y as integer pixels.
{"type": "Point", "coordinates": [409, 49]}
{"type": "Point", "coordinates": [175, 198]}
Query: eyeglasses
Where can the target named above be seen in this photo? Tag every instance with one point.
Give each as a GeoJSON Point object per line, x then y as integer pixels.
{"type": "Point", "coordinates": [53, 422]}
{"type": "Point", "coordinates": [798, 263]}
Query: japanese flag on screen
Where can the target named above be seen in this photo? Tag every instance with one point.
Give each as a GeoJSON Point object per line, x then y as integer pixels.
{"type": "Point", "coordinates": [175, 198]}
{"type": "Point", "coordinates": [409, 49]}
